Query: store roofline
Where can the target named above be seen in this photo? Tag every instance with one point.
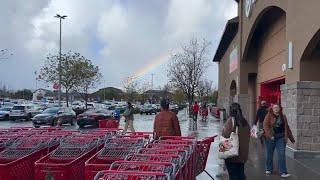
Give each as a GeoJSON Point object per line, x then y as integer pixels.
{"type": "Point", "coordinates": [229, 33]}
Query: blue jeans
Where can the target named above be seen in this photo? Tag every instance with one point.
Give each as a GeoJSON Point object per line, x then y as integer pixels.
{"type": "Point", "coordinates": [279, 144]}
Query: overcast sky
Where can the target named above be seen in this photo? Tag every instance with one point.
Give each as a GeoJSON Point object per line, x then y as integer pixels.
{"type": "Point", "coordinates": [124, 37]}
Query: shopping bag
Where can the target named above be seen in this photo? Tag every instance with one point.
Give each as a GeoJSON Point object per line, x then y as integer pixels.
{"type": "Point", "coordinates": [229, 147]}
{"type": "Point", "coordinates": [254, 131]}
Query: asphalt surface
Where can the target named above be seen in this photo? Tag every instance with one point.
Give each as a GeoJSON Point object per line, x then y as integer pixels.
{"type": "Point", "coordinates": [299, 169]}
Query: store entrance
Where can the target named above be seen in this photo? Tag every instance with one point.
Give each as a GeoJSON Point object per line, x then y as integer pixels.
{"type": "Point", "coordinates": [270, 91]}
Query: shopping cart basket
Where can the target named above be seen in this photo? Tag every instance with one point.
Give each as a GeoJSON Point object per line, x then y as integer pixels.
{"type": "Point", "coordinates": [130, 175]}
{"type": "Point", "coordinates": [140, 166]}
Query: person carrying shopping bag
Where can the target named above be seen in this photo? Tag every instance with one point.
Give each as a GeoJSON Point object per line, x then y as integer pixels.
{"type": "Point", "coordinates": [236, 137]}
{"type": "Point", "coordinates": [128, 115]}
{"type": "Point", "coordinates": [277, 132]}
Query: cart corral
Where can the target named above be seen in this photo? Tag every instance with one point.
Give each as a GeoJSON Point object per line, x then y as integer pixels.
{"type": "Point", "coordinates": [28, 153]}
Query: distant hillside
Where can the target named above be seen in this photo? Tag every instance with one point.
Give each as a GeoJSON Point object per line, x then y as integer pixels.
{"type": "Point", "coordinates": [108, 93]}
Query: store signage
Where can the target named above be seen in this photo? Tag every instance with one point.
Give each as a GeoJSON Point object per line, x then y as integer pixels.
{"type": "Point", "coordinates": [249, 6]}
{"type": "Point", "coordinates": [233, 60]}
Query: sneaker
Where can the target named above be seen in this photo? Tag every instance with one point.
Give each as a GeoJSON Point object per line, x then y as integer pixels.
{"type": "Point", "coordinates": [268, 173]}
{"type": "Point", "coordinates": [285, 175]}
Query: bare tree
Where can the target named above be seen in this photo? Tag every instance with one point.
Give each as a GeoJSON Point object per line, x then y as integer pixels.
{"type": "Point", "coordinates": [187, 67]}
{"type": "Point", "coordinates": [204, 90]}
{"type": "Point", "coordinates": [130, 86]}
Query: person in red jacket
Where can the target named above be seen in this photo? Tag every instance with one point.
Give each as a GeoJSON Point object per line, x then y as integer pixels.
{"type": "Point", "coordinates": [195, 109]}
{"type": "Point", "coordinates": [166, 122]}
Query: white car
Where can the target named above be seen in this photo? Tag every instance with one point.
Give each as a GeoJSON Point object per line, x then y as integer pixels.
{"type": "Point", "coordinates": [34, 109]}
{"type": "Point", "coordinates": [77, 105]}
{"type": "Point", "coordinates": [20, 112]}
{"type": "Point", "coordinates": [5, 113]}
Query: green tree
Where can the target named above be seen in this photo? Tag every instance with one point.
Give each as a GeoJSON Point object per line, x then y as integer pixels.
{"type": "Point", "coordinates": [88, 77]}
{"type": "Point", "coordinates": [23, 94]}
{"type": "Point", "coordinates": [178, 96]}
{"type": "Point", "coordinates": [69, 69]}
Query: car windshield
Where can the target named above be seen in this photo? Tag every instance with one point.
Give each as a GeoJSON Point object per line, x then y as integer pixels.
{"type": "Point", "coordinates": [5, 109]}
{"type": "Point", "coordinates": [18, 107]}
{"type": "Point", "coordinates": [51, 111]}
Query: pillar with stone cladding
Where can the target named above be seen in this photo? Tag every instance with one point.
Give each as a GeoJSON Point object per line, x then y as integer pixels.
{"type": "Point", "coordinates": [301, 105]}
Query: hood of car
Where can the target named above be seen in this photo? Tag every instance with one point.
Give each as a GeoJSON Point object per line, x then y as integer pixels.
{"type": "Point", "coordinates": [44, 115]}
{"type": "Point", "coordinates": [4, 112]}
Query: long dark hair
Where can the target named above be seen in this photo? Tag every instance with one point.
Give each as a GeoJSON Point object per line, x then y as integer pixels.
{"type": "Point", "coordinates": [236, 113]}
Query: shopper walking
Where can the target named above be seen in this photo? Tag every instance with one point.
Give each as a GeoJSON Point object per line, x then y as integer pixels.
{"type": "Point", "coordinates": [235, 165]}
{"type": "Point", "coordinates": [277, 133]}
{"type": "Point", "coordinates": [166, 123]}
{"type": "Point", "coordinates": [195, 111]}
{"type": "Point", "coordinates": [128, 115]}
{"type": "Point", "coordinates": [261, 114]}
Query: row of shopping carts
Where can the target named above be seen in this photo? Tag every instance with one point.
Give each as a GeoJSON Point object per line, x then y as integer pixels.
{"type": "Point", "coordinates": [180, 158]}
{"type": "Point", "coordinates": [102, 154]}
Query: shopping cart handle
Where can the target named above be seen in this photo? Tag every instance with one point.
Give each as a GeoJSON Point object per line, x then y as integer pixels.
{"type": "Point", "coordinates": [208, 140]}
{"type": "Point", "coordinates": [98, 175]}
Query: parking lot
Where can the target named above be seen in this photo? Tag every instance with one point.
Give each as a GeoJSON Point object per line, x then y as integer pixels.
{"type": "Point", "coordinates": [141, 123]}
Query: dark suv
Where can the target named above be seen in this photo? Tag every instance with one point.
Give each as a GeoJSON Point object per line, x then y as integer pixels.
{"type": "Point", "coordinates": [51, 116]}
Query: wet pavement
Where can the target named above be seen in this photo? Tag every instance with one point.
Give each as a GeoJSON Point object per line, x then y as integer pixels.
{"type": "Point", "coordinates": [299, 169]}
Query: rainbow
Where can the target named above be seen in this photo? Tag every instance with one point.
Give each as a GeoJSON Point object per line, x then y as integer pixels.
{"type": "Point", "coordinates": [149, 67]}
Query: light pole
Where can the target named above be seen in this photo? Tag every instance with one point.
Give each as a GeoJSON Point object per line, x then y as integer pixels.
{"type": "Point", "coordinates": [59, 66]}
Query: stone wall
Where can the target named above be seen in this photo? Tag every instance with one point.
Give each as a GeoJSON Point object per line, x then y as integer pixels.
{"type": "Point", "coordinates": [301, 104]}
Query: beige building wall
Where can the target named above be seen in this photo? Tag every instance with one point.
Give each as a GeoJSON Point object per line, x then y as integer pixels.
{"type": "Point", "coordinates": [272, 53]}
{"type": "Point", "coordinates": [225, 78]}
{"type": "Point", "coordinates": [301, 94]}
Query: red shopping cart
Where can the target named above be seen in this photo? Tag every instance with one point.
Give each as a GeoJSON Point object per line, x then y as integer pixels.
{"type": "Point", "coordinates": [171, 158]}
{"type": "Point", "coordinates": [104, 158]}
{"type": "Point", "coordinates": [130, 175]}
{"type": "Point", "coordinates": [202, 152]}
{"type": "Point", "coordinates": [67, 162]}
{"type": "Point", "coordinates": [140, 166]}
{"type": "Point", "coordinates": [17, 162]}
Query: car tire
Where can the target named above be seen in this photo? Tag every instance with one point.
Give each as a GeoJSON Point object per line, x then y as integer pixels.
{"type": "Point", "coordinates": [53, 123]}
{"type": "Point", "coordinates": [36, 126]}
{"type": "Point", "coordinates": [80, 125]}
{"type": "Point", "coordinates": [29, 116]}
{"type": "Point", "coordinates": [71, 122]}
{"type": "Point", "coordinates": [6, 117]}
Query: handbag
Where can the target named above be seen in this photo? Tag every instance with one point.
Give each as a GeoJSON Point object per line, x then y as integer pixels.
{"type": "Point", "coordinates": [229, 147]}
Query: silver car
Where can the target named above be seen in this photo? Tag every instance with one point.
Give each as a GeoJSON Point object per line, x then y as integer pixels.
{"type": "Point", "coordinates": [20, 112]}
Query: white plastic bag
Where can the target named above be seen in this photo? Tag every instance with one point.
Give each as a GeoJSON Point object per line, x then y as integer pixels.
{"type": "Point", "coordinates": [254, 131]}
{"type": "Point", "coordinates": [230, 145]}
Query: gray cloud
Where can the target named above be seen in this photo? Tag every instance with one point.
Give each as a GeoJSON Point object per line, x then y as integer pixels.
{"type": "Point", "coordinates": [122, 37]}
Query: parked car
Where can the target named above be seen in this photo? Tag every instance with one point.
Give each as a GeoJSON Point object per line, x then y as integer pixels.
{"type": "Point", "coordinates": [77, 105]}
{"type": "Point", "coordinates": [174, 108]}
{"type": "Point", "coordinates": [34, 109]}
{"type": "Point", "coordinates": [158, 107]}
{"type": "Point", "coordinates": [148, 109]}
{"type": "Point", "coordinates": [51, 116]}
{"type": "Point", "coordinates": [91, 105]}
{"type": "Point", "coordinates": [20, 112]}
{"type": "Point", "coordinates": [92, 117]}
{"type": "Point", "coordinates": [5, 113]}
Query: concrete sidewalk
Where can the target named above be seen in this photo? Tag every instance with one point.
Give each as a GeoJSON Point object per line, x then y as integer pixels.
{"type": "Point", "coordinates": [305, 169]}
